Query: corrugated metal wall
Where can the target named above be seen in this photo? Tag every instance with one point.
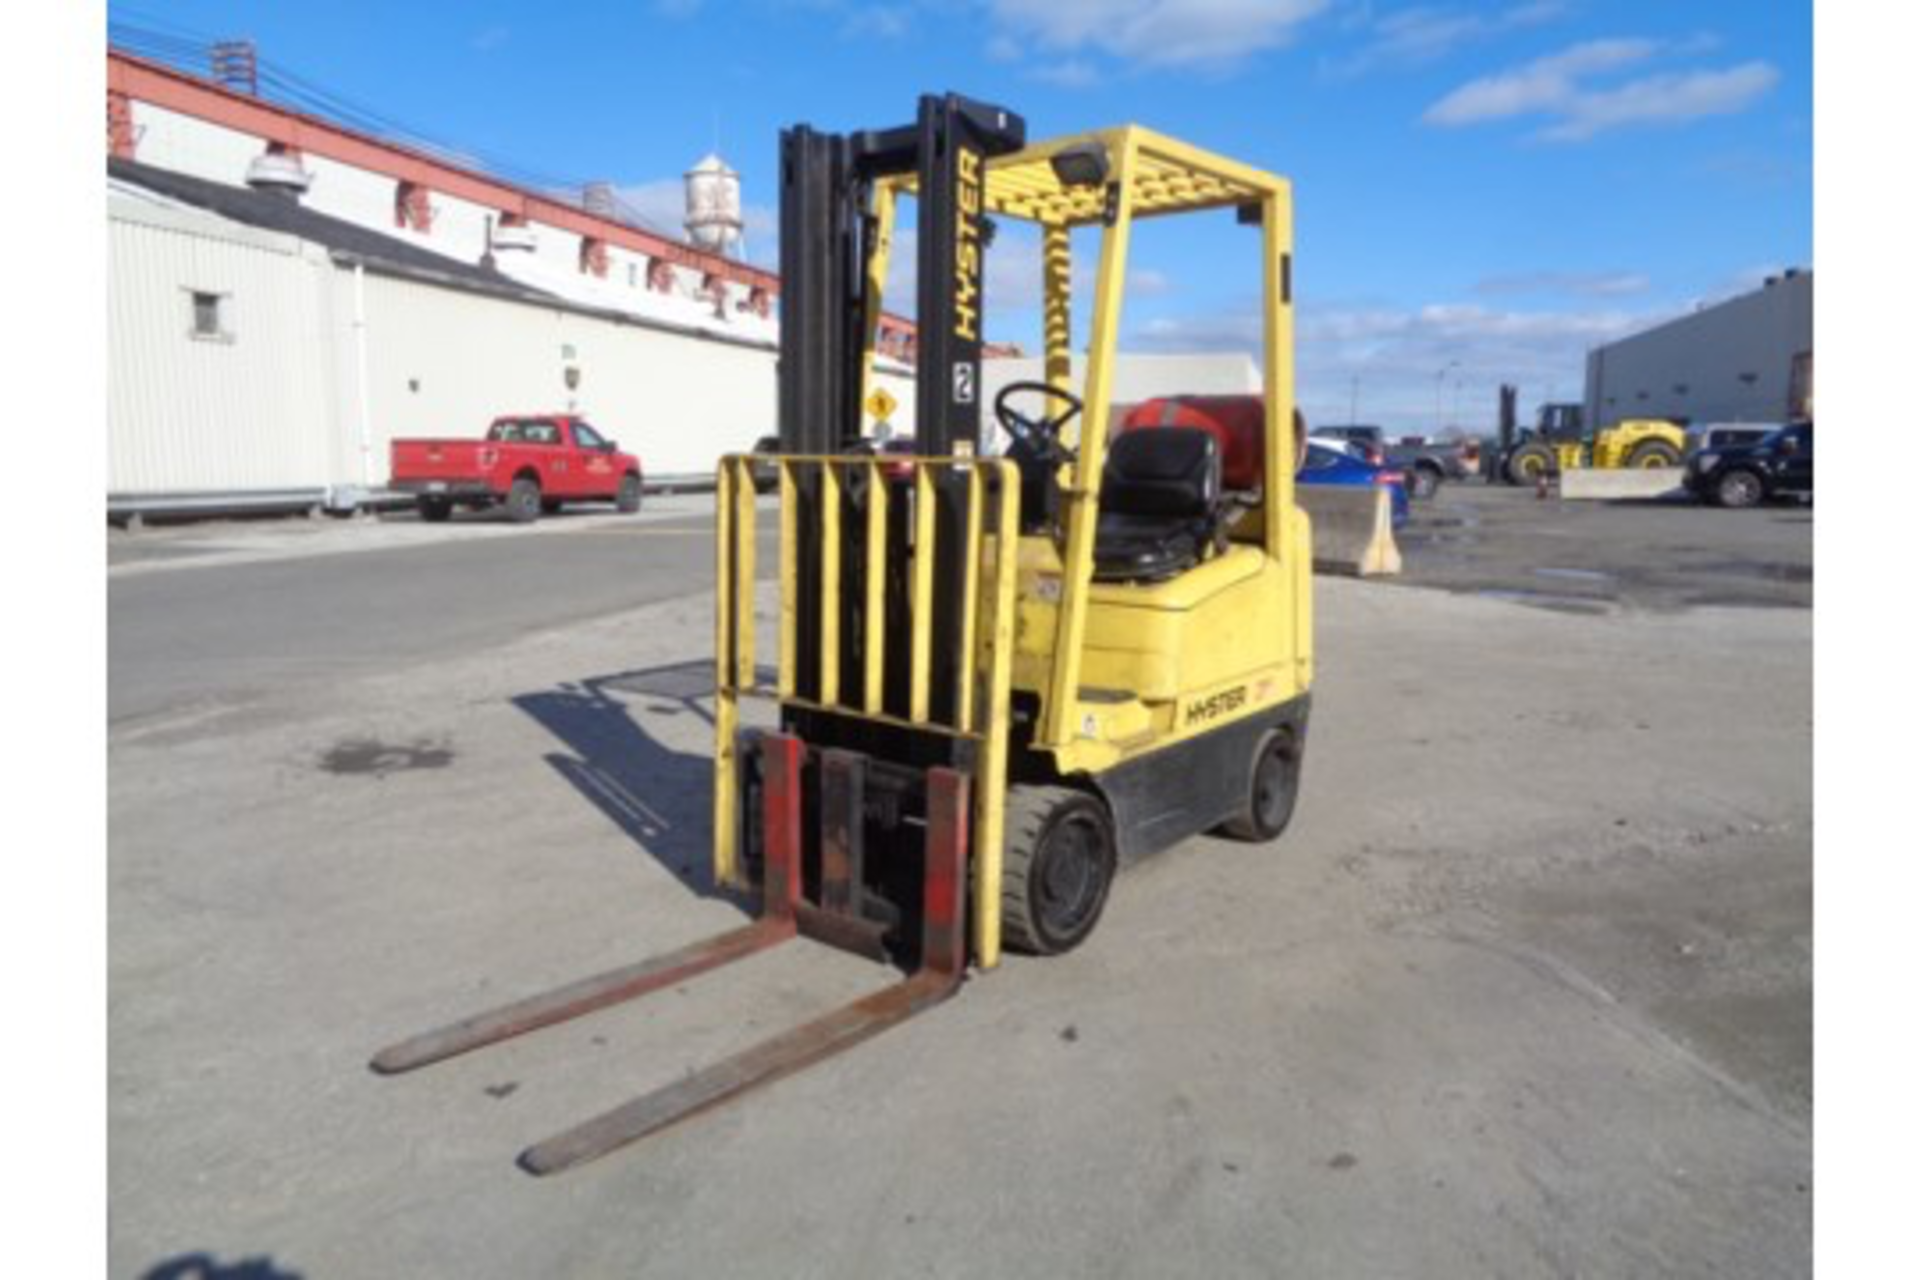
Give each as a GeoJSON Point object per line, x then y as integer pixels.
{"type": "Point", "coordinates": [253, 410]}
{"type": "Point", "coordinates": [1728, 363]}
{"type": "Point", "coordinates": [278, 406]}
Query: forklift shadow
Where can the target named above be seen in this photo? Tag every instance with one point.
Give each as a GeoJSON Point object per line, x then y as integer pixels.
{"type": "Point", "coordinates": [660, 796]}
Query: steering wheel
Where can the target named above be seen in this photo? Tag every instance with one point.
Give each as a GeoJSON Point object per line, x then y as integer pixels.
{"type": "Point", "coordinates": [1036, 438]}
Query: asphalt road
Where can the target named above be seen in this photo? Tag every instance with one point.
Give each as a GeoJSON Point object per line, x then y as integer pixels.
{"type": "Point", "coordinates": [1588, 557]}
{"type": "Point", "coordinates": [217, 629]}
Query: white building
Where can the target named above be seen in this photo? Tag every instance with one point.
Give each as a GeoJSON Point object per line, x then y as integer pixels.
{"type": "Point", "coordinates": [285, 296]}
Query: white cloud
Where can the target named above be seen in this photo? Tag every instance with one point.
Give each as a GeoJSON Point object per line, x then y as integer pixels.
{"type": "Point", "coordinates": [1424, 34]}
{"type": "Point", "coordinates": [1399, 361]}
{"type": "Point", "coordinates": [1545, 84]}
{"type": "Point", "coordinates": [1668, 99]}
{"type": "Point", "coordinates": [1559, 87]}
{"type": "Point", "coordinates": [877, 22]}
{"type": "Point", "coordinates": [1074, 73]}
{"type": "Point", "coordinates": [1152, 32]}
{"type": "Point", "coordinates": [1595, 284]}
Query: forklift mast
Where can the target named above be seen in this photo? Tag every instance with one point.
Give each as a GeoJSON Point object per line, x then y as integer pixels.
{"type": "Point", "coordinates": [830, 302]}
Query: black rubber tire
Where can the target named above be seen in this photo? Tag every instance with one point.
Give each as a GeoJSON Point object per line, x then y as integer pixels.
{"type": "Point", "coordinates": [1531, 461]}
{"type": "Point", "coordinates": [523, 500]}
{"type": "Point", "coordinates": [628, 498]}
{"type": "Point", "coordinates": [435, 510]}
{"type": "Point", "coordinates": [1422, 482]}
{"type": "Point", "coordinates": [1273, 787]}
{"type": "Point", "coordinates": [1061, 857]}
{"type": "Point", "coordinates": [1649, 454]}
{"type": "Point", "coordinates": [1739, 488]}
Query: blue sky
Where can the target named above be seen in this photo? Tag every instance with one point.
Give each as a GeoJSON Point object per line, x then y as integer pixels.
{"type": "Point", "coordinates": [1483, 191]}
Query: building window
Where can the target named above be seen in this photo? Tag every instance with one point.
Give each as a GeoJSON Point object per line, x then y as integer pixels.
{"type": "Point", "coordinates": [593, 257]}
{"type": "Point", "coordinates": [209, 311]}
{"type": "Point", "coordinates": [412, 206]}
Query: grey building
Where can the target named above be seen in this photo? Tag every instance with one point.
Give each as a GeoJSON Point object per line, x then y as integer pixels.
{"type": "Point", "coordinates": [1748, 359]}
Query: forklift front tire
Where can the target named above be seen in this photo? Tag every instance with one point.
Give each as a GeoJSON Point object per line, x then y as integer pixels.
{"type": "Point", "coordinates": [1061, 856]}
{"type": "Point", "coordinates": [1273, 784]}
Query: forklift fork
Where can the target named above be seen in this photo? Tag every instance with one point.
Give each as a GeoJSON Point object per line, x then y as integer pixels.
{"type": "Point", "coordinates": [784, 915]}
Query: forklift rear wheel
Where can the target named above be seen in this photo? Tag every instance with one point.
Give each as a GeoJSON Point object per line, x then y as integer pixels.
{"type": "Point", "coordinates": [523, 500]}
{"type": "Point", "coordinates": [1273, 784]}
{"type": "Point", "coordinates": [1060, 860]}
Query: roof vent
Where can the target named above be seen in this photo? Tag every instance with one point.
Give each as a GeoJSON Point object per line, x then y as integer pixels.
{"type": "Point", "coordinates": [278, 171]}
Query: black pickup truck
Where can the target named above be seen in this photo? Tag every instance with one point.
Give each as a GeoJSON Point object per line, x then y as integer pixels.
{"type": "Point", "coordinates": [1744, 475]}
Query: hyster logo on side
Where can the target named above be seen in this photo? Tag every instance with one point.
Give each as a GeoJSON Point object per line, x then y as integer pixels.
{"type": "Point", "coordinates": [966, 253]}
{"type": "Point", "coordinates": [1216, 706]}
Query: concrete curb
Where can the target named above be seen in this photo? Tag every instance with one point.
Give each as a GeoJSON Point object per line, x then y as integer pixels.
{"type": "Point", "coordinates": [1587, 485]}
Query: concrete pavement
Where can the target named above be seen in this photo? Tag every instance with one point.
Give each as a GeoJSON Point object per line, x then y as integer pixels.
{"type": "Point", "coordinates": [1524, 991]}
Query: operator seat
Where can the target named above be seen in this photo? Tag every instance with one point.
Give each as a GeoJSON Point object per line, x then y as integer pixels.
{"type": "Point", "coordinates": [1160, 504]}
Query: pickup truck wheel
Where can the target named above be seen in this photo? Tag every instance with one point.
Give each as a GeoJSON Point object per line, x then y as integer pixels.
{"type": "Point", "coordinates": [1739, 489]}
{"type": "Point", "coordinates": [1423, 482]}
{"type": "Point", "coordinates": [523, 501]}
{"type": "Point", "coordinates": [434, 510]}
{"type": "Point", "coordinates": [1060, 859]}
{"type": "Point", "coordinates": [628, 499]}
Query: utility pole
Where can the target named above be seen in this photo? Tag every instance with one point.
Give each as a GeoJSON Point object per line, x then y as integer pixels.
{"type": "Point", "coordinates": [1439, 386]}
{"type": "Point", "coordinates": [236, 66]}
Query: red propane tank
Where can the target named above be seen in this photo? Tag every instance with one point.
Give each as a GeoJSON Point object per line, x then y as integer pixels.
{"type": "Point", "coordinates": [1238, 424]}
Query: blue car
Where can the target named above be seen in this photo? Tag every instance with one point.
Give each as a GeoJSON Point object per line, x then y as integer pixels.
{"type": "Point", "coordinates": [1327, 465]}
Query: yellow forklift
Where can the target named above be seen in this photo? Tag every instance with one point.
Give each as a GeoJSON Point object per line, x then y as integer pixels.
{"type": "Point", "coordinates": [995, 679]}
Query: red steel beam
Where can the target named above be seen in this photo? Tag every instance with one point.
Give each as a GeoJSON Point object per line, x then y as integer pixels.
{"type": "Point", "coordinates": [140, 80]}
{"type": "Point", "coordinates": [162, 86]}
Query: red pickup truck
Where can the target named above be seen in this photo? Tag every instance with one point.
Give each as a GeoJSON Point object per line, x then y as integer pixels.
{"type": "Point", "coordinates": [528, 463]}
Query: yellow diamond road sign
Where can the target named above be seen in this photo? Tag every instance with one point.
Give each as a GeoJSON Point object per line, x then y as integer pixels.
{"type": "Point", "coordinates": [881, 405]}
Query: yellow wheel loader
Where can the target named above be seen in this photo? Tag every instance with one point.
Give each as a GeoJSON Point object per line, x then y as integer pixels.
{"type": "Point", "coordinates": [1559, 444]}
{"type": "Point", "coordinates": [993, 680]}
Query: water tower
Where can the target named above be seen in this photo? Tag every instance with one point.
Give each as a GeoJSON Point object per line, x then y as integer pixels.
{"type": "Point", "coordinates": [713, 207]}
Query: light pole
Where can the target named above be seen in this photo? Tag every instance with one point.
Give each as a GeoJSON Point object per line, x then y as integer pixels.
{"type": "Point", "coordinates": [1439, 385]}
